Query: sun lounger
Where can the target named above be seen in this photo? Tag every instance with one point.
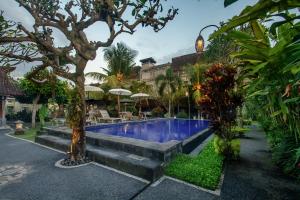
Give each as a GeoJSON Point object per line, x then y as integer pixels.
{"type": "Point", "coordinates": [105, 117]}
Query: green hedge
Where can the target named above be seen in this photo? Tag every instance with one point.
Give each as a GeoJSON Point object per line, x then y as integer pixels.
{"type": "Point", "coordinates": [203, 170]}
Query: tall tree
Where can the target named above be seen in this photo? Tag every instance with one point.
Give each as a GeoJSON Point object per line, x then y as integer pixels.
{"type": "Point", "coordinates": [72, 19]}
{"type": "Point", "coordinates": [120, 60]}
{"type": "Point", "coordinates": [167, 84]}
{"type": "Point", "coordinates": [7, 30]}
{"type": "Point", "coordinates": [38, 90]}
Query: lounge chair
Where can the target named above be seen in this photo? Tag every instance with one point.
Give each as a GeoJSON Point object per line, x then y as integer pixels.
{"type": "Point", "coordinates": [105, 117]}
{"type": "Point", "coordinates": [128, 116]}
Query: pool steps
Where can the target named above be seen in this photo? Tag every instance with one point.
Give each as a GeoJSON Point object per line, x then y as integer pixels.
{"type": "Point", "coordinates": [140, 166]}
{"type": "Point", "coordinates": [140, 158]}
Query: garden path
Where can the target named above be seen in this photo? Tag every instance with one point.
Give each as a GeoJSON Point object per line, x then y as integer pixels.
{"type": "Point", "coordinates": [254, 176]}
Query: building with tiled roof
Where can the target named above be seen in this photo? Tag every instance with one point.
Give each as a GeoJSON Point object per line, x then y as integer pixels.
{"type": "Point", "coordinates": [149, 70]}
{"type": "Point", "coordinates": [8, 88]}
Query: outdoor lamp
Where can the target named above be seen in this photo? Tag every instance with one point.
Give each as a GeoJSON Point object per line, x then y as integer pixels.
{"type": "Point", "coordinates": [19, 127]}
{"type": "Point", "coordinates": [186, 93]}
{"type": "Point", "coordinates": [199, 45]}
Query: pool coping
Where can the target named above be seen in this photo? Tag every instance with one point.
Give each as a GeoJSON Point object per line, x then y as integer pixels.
{"type": "Point", "coordinates": [162, 151]}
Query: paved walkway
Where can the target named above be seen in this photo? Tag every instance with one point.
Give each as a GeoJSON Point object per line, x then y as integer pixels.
{"type": "Point", "coordinates": [27, 171]}
{"type": "Point", "coordinates": [254, 176]}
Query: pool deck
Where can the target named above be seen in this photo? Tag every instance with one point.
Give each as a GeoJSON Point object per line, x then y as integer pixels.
{"type": "Point", "coordinates": [138, 157]}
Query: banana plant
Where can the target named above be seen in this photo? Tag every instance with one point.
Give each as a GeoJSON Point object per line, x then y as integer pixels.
{"type": "Point", "coordinates": [271, 70]}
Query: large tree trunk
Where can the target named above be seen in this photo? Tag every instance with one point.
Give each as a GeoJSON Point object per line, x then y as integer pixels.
{"type": "Point", "coordinates": [77, 148]}
{"type": "Point", "coordinates": [34, 110]}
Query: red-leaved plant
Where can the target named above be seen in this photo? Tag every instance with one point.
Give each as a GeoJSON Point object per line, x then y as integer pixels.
{"type": "Point", "coordinates": [219, 100]}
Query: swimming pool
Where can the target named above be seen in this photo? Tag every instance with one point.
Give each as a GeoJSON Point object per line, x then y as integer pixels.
{"type": "Point", "coordinates": [159, 130]}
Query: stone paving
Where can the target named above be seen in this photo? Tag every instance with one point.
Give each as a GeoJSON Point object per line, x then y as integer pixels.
{"type": "Point", "coordinates": [27, 172]}
{"type": "Point", "coordinates": [254, 176]}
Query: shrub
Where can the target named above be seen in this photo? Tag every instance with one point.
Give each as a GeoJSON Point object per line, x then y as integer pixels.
{"type": "Point", "coordinates": [239, 131]}
{"type": "Point", "coordinates": [157, 112]}
{"type": "Point", "coordinates": [182, 114]}
{"type": "Point", "coordinates": [203, 170]}
{"type": "Point", "coordinates": [286, 154]}
{"type": "Point", "coordinates": [220, 101]}
{"type": "Point", "coordinates": [22, 115]}
{"type": "Point", "coordinates": [229, 148]}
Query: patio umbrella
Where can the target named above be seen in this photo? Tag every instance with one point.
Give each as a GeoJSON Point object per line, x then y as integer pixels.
{"type": "Point", "coordinates": [120, 92]}
{"type": "Point", "coordinates": [140, 96]}
{"type": "Point", "coordinates": [89, 88]}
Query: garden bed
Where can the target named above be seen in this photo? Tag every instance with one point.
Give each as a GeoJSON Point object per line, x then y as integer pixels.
{"type": "Point", "coordinates": [29, 134]}
{"type": "Point", "coordinates": [204, 170]}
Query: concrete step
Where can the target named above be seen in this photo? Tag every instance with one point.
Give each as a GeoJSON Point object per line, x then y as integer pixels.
{"type": "Point", "coordinates": [143, 167]}
{"type": "Point", "coordinates": [136, 147]}
{"type": "Point", "coordinates": [5, 129]}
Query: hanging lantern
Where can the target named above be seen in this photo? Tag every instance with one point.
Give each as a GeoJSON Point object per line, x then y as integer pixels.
{"type": "Point", "coordinates": [199, 44]}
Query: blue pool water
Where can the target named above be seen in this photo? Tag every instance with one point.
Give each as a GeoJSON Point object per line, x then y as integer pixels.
{"type": "Point", "coordinates": [160, 130]}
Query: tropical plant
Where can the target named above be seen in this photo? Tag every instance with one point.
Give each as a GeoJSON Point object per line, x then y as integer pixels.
{"type": "Point", "coordinates": [40, 88]}
{"type": "Point", "coordinates": [167, 84]}
{"type": "Point", "coordinates": [120, 61]}
{"type": "Point", "coordinates": [269, 59]}
{"type": "Point", "coordinates": [72, 18]}
{"type": "Point", "coordinates": [196, 75]}
{"type": "Point", "coordinates": [220, 101]}
{"type": "Point", "coordinates": [219, 50]}
{"type": "Point", "coordinates": [140, 86]}
{"type": "Point", "coordinates": [157, 112]}
{"type": "Point", "coordinates": [261, 10]}
{"type": "Point", "coordinates": [43, 113]}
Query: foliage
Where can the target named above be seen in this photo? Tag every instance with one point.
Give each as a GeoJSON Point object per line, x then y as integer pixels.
{"type": "Point", "coordinates": [43, 113]}
{"type": "Point", "coordinates": [286, 154]}
{"type": "Point", "coordinates": [167, 85]}
{"type": "Point", "coordinates": [51, 87]}
{"type": "Point", "coordinates": [22, 115]}
{"type": "Point", "coordinates": [140, 86]}
{"type": "Point", "coordinates": [120, 61]}
{"type": "Point", "coordinates": [269, 59]}
{"type": "Point", "coordinates": [157, 112]}
{"type": "Point", "coordinates": [196, 75]}
{"type": "Point", "coordinates": [220, 83]}
{"type": "Point", "coordinates": [203, 170]}
{"type": "Point", "coordinates": [72, 18]}
{"type": "Point", "coordinates": [29, 134]}
{"type": "Point", "coordinates": [261, 10]}
{"type": "Point", "coordinates": [7, 29]}
{"type": "Point", "coordinates": [182, 114]}
{"type": "Point", "coordinates": [237, 130]}
{"type": "Point", "coordinates": [231, 147]}
{"type": "Point", "coordinates": [219, 49]}
{"type": "Point", "coordinates": [272, 73]}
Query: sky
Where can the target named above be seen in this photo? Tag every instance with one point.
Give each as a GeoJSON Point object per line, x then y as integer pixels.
{"type": "Point", "coordinates": [177, 38]}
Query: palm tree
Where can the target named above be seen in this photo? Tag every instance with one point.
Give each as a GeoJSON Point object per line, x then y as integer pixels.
{"type": "Point", "coordinates": [196, 74]}
{"type": "Point", "coordinates": [167, 84]}
{"type": "Point", "coordinates": [120, 61]}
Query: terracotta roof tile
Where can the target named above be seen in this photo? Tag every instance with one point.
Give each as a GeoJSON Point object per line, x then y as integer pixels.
{"type": "Point", "coordinates": [8, 87]}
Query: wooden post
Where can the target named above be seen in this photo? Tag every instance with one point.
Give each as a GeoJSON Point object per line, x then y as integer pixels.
{"type": "Point", "coordinates": [2, 111]}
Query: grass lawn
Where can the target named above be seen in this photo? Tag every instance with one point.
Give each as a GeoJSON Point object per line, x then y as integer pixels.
{"type": "Point", "coordinates": [203, 170]}
{"type": "Point", "coordinates": [29, 134]}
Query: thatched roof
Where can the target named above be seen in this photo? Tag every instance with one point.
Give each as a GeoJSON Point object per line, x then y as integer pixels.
{"type": "Point", "coordinates": [8, 87]}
